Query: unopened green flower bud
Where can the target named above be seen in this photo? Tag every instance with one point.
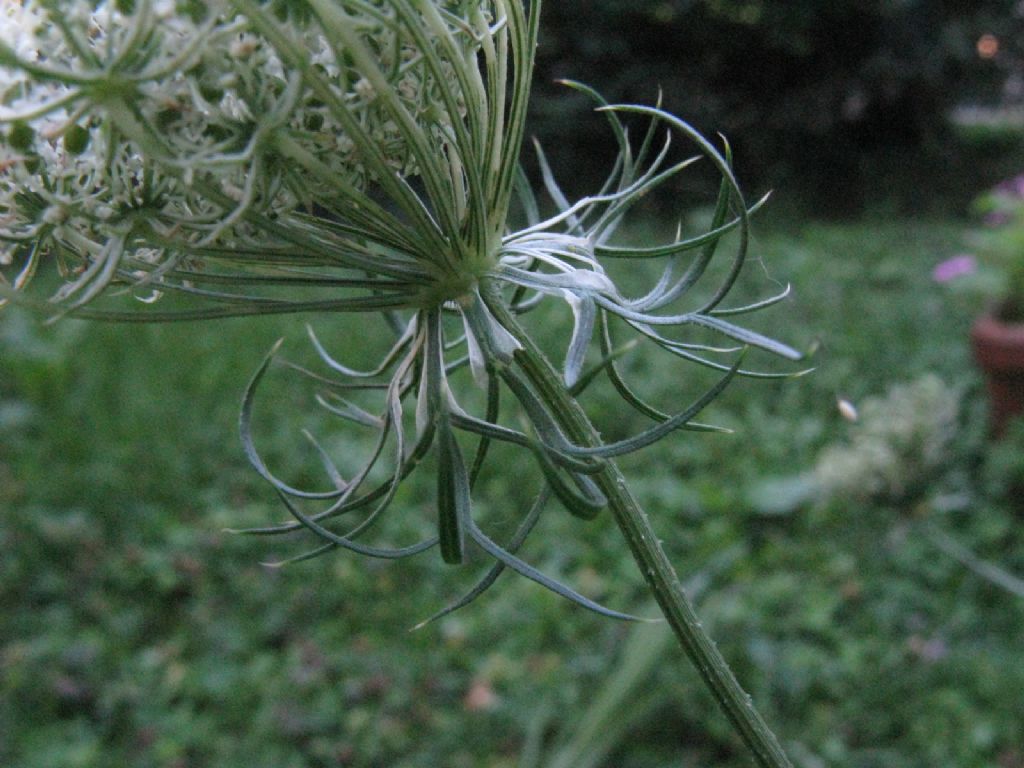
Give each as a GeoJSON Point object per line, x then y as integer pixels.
{"type": "Point", "coordinates": [76, 139]}
{"type": "Point", "coordinates": [20, 136]}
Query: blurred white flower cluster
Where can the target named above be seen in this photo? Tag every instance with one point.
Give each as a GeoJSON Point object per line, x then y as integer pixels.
{"type": "Point", "coordinates": [897, 444]}
{"type": "Point", "coordinates": [129, 128]}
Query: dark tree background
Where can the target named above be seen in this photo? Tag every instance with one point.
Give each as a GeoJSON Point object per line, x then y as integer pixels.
{"type": "Point", "coordinates": [840, 105]}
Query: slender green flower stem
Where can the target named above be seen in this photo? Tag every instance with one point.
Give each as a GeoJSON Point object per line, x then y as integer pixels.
{"type": "Point", "coordinates": [649, 554]}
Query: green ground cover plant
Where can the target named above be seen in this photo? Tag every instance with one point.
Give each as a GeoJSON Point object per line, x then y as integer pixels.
{"type": "Point", "coordinates": [252, 160]}
{"type": "Point", "coordinates": [136, 632]}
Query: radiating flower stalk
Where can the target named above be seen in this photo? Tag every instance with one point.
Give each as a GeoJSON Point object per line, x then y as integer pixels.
{"type": "Point", "coordinates": [339, 156]}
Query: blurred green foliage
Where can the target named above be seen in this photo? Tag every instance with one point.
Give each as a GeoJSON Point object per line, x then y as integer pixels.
{"type": "Point", "coordinates": [135, 632]}
{"type": "Point", "coordinates": [843, 106]}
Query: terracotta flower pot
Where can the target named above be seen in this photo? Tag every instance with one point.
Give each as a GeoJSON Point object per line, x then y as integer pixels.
{"type": "Point", "coordinates": [999, 351]}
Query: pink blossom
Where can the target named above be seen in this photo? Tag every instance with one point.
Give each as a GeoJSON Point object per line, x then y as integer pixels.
{"type": "Point", "coordinates": [997, 218]}
{"type": "Point", "coordinates": [957, 266]}
{"type": "Point", "coordinates": [1013, 188]}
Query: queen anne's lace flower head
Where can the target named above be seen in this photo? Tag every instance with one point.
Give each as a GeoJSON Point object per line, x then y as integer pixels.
{"type": "Point", "coordinates": [178, 110]}
{"type": "Point", "coordinates": [358, 156]}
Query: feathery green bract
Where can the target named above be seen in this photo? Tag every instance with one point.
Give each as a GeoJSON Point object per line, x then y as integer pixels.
{"type": "Point", "coordinates": [326, 156]}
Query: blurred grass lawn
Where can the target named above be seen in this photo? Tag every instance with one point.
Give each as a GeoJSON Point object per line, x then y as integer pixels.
{"type": "Point", "coordinates": [135, 632]}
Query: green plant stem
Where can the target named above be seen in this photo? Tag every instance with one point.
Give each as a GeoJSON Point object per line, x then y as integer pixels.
{"type": "Point", "coordinates": [648, 553]}
{"type": "Point", "coordinates": [983, 568]}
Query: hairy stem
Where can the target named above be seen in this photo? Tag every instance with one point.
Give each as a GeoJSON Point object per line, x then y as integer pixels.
{"type": "Point", "coordinates": [649, 554]}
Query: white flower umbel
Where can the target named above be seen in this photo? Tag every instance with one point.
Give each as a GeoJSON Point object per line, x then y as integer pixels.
{"type": "Point", "coordinates": [320, 156]}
